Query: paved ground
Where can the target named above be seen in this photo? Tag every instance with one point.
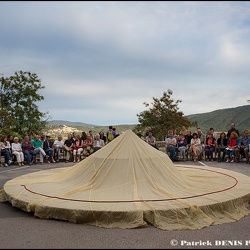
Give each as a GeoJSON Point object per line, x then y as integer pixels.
{"type": "Point", "coordinates": [21, 230]}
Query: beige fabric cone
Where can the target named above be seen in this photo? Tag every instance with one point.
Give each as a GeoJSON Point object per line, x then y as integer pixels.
{"type": "Point", "coordinates": [128, 184]}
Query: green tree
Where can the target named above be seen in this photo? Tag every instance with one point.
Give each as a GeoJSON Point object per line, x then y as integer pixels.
{"type": "Point", "coordinates": [162, 116]}
{"type": "Point", "coordinates": [19, 111]}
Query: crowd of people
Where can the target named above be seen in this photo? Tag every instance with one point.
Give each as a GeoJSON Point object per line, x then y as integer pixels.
{"type": "Point", "coordinates": [76, 147]}
{"type": "Point", "coordinates": [185, 145]}
{"type": "Point", "coordinates": [182, 145]}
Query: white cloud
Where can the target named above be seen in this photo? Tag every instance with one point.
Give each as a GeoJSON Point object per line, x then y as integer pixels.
{"type": "Point", "coordinates": [82, 50]}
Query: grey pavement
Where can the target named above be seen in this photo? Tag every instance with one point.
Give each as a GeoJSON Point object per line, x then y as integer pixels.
{"type": "Point", "coordinates": [21, 230]}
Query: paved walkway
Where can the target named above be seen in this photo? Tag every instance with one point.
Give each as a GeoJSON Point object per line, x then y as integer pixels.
{"type": "Point", "coordinates": [21, 230]}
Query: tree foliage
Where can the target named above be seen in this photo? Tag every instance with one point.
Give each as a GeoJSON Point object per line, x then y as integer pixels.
{"type": "Point", "coordinates": [19, 111]}
{"type": "Point", "coordinates": [162, 116]}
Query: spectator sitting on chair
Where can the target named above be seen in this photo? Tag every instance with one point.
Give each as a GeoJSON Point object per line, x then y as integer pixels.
{"type": "Point", "coordinates": [5, 150]}
{"type": "Point", "coordinates": [88, 146]}
{"type": "Point", "coordinates": [17, 151]}
{"type": "Point", "coordinates": [210, 147]}
{"type": "Point", "coordinates": [103, 137]}
{"type": "Point", "coordinates": [38, 148]}
{"type": "Point", "coordinates": [149, 130]}
{"type": "Point", "coordinates": [221, 145]}
{"type": "Point", "coordinates": [77, 148]}
{"type": "Point", "coordinates": [202, 138]}
{"type": "Point", "coordinates": [243, 148]}
{"type": "Point", "coordinates": [57, 146]}
{"type": "Point", "coordinates": [182, 146]}
{"type": "Point", "coordinates": [28, 150]}
{"type": "Point", "coordinates": [171, 144]}
{"type": "Point", "coordinates": [68, 144]}
{"type": "Point", "coordinates": [195, 146]}
{"type": "Point", "coordinates": [48, 148]}
{"type": "Point", "coordinates": [98, 143]}
{"type": "Point", "coordinates": [150, 139]}
{"type": "Point", "coordinates": [232, 143]}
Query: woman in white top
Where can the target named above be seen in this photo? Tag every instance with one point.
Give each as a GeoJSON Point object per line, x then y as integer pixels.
{"type": "Point", "coordinates": [17, 151]}
{"type": "Point", "coordinates": [195, 146]}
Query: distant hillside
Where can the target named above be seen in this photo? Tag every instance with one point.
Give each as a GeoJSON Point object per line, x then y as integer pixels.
{"type": "Point", "coordinates": [68, 123]}
{"type": "Point", "coordinates": [221, 119]}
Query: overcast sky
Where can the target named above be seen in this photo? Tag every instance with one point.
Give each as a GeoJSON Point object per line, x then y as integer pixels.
{"type": "Point", "coordinates": [99, 61]}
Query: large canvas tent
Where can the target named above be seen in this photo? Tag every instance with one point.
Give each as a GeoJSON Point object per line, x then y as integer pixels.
{"type": "Point", "coordinates": [129, 184]}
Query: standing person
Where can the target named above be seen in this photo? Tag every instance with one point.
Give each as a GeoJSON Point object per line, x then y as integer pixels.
{"type": "Point", "coordinates": [116, 134]}
{"type": "Point", "coordinates": [38, 148]}
{"type": "Point", "coordinates": [28, 150]}
{"type": "Point", "coordinates": [48, 148]}
{"type": "Point", "coordinates": [195, 146]}
{"type": "Point", "coordinates": [17, 151]}
{"type": "Point", "coordinates": [210, 147]}
{"type": "Point", "coordinates": [232, 129]}
{"type": "Point", "coordinates": [5, 150]}
{"type": "Point", "coordinates": [243, 148]}
{"type": "Point", "coordinates": [110, 134]}
{"type": "Point", "coordinates": [221, 146]}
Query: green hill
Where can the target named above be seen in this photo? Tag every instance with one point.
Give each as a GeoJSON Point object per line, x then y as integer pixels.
{"type": "Point", "coordinates": [221, 119]}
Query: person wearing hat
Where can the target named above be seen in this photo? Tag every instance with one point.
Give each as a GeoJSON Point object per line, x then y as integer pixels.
{"type": "Point", "coordinates": [17, 151]}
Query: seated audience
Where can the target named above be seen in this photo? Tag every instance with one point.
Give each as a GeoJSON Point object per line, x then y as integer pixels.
{"type": "Point", "coordinates": [147, 132]}
{"type": "Point", "coordinates": [202, 138]}
{"type": "Point", "coordinates": [103, 137]}
{"type": "Point", "coordinates": [48, 148]}
{"type": "Point", "coordinates": [68, 145]}
{"type": "Point", "coordinates": [210, 147]}
{"type": "Point", "coordinates": [221, 146]}
{"type": "Point", "coordinates": [38, 148]}
{"type": "Point", "coordinates": [57, 146]}
{"type": "Point", "coordinates": [232, 143]}
{"type": "Point", "coordinates": [182, 146]}
{"type": "Point", "coordinates": [243, 148]}
{"type": "Point", "coordinates": [88, 146]}
{"type": "Point", "coordinates": [170, 145]}
{"type": "Point", "coordinates": [150, 139]}
{"type": "Point", "coordinates": [28, 150]}
{"type": "Point", "coordinates": [5, 150]}
{"type": "Point", "coordinates": [77, 148]}
{"type": "Point", "coordinates": [195, 146]}
{"type": "Point", "coordinates": [98, 143]}
{"type": "Point", "coordinates": [17, 151]}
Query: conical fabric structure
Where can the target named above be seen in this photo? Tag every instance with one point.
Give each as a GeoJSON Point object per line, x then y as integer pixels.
{"type": "Point", "coordinates": [129, 184]}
